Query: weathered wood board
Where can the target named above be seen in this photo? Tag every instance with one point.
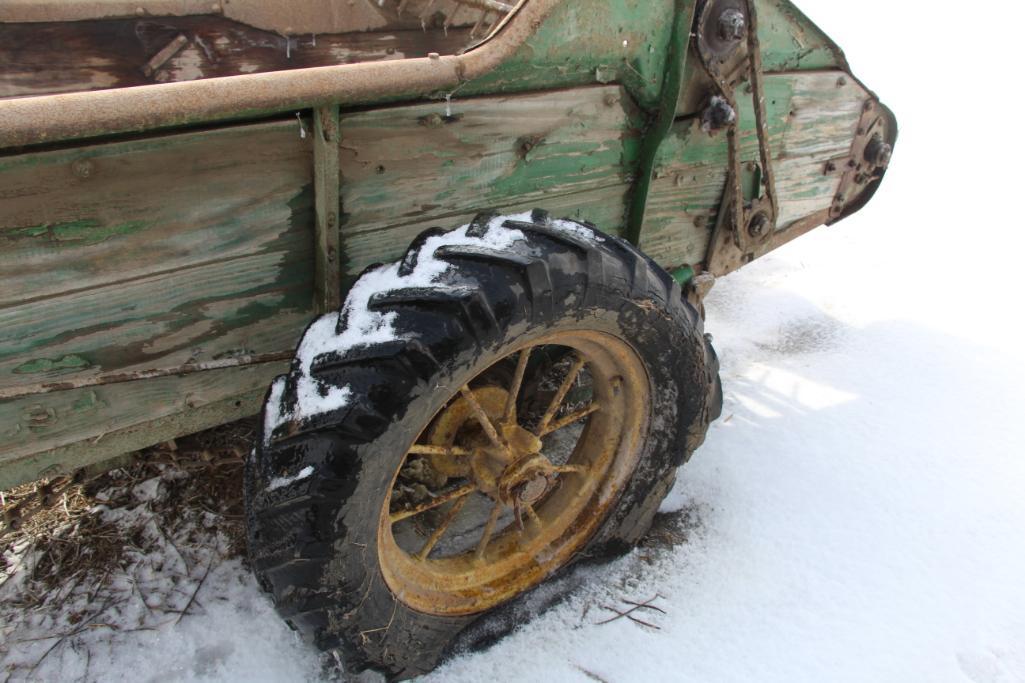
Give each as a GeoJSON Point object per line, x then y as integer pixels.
{"type": "Point", "coordinates": [812, 117]}
{"type": "Point", "coordinates": [88, 425]}
{"type": "Point", "coordinates": [603, 207]}
{"type": "Point", "coordinates": [164, 253]}
{"type": "Point", "coordinates": [408, 168]}
{"type": "Point", "coordinates": [154, 254]}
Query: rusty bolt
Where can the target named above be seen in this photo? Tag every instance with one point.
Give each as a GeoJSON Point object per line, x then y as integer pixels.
{"type": "Point", "coordinates": [83, 168]}
{"type": "Point", "coordinates": [732, 25]}
{"type": "Point", "coordinates": [531, 491]}
{"type": "Point", "coordinates": [717, 115]}
{"type": "Point", "coordinates": [758, 225]}
{"type": "Point", "coordinates": [878, 152]}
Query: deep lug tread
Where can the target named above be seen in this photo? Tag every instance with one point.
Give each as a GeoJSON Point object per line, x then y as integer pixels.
{"type": "Point", "coordinates": [475, 309]}
{"type": "Point", "coordinates": [535, 270]}
{"type": "Point", "coordinates": [567, 239]}
{"type": "Point", "coordinates": [480, 224]}
{"type": "Point", "coordinates": [295, 532]}
{"type": "Point", "coordinates": [414, 355]}
{"type": "Point", "coordinates": [412, 256]}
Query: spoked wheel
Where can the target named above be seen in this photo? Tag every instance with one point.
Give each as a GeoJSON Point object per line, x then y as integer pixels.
{"type": "Point", "coordinates": [510, 398]}
{"type": "Point", "coordinates": [498, 491]}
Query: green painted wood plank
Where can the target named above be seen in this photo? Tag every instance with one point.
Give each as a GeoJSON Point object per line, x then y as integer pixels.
{"type": "Point", "coordinates": [812, 117]}
{"type": "Point", "coordinates": [148, 255]}
{"type": "Point", "coordinates": [84, 217]}
{"type": "Point", "coordinates": [791, 42]}
{"type": "Point", "coordinates": [52, 433]}
{"type": "Point", "coordinates": [591, 41]}
{"type": "Point", "coordinates": [425, 164]}
{"type": "Point", "coordinates": [240, 307]}
{"type": "Point", "coordinates": [605, 207]}
{"type": "Point", "coordinates": [826, 107]}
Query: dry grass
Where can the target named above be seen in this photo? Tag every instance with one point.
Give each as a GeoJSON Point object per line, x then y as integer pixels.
{"type": "Point", "coordinates": [58, 518]}
{"type": "Point", "coordinates": [128, 549]}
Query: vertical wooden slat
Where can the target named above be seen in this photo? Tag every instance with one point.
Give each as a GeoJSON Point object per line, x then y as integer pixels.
{"type": "Point", "coordinates": [327, 288]}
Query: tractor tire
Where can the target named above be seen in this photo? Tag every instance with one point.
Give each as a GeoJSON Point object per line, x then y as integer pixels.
{"type": "Point", "coordinates": [523, 404]}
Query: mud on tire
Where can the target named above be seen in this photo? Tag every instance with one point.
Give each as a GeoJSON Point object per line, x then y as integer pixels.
{"type": "Point", "coordinates": [316, 486]}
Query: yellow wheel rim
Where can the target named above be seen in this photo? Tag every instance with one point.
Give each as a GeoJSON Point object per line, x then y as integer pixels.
{"type": "Point", "coordinates": [490, 499]}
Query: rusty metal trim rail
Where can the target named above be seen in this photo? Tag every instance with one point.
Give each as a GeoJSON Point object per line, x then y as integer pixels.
{"type": "Point", "coordinates": [54, 118]}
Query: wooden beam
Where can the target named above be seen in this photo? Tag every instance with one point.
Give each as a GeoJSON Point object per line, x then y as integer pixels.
{"type": "Point", "coordinates": [57, 433]}
{"type": "Point", "coordinates": [327, 279]}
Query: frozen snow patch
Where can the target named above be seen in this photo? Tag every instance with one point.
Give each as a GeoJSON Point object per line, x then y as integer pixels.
{"type": "Point", "coordinates": [281, 482]}
{"type": "Point", "coordinates": [356, 325]}
{"type": "Point", "coordinates": [577, 229]}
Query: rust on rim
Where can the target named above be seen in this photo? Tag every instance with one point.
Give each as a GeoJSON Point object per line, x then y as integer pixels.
{"type": "Point", "coordinates": [515, 473]}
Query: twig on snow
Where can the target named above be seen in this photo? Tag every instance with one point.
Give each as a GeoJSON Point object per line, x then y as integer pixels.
{"type": "Point", "coordinates": [629, 613]}
{"type": "Point", "coordinates": [199, 586]}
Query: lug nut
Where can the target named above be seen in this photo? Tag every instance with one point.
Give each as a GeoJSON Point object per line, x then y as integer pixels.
{"type": "Point", "coordinates": [732, 25]}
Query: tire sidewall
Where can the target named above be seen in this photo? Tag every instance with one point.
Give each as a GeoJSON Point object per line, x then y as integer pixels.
{"type": "Point", "coordinates": [373, 615]}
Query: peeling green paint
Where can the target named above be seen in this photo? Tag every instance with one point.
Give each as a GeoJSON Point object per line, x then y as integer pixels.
{"type": "Point", "coordinates": [683, 275]}
{"type": "Point", "coordinates": [82, 232]}
{"type": "Point", "coordinates": [88, 401]}
{"type": "Point", "coordinates": [40, 365]}
{"type": "Point", "coordinates": [591, 41]}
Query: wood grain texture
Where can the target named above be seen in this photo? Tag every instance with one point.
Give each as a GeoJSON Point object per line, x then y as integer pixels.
{"type": "Point", "coordinates": [603, 207]}
{"type": "Point", "coordinates": [328, 272]}
{"type": "Point", "coordinates": [154, 254]}
{"type": "Point", "coordinates": [811, 118]}
{"type": "Point", "coordinates": [71, 429]}
{"type": "Point", "coordinates": [60, 57]}
{"type": "Point", "coordinates": [408, 168]}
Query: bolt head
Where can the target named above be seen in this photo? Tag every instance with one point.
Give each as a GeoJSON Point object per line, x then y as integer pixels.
{"type": "Point", "coordinates": [758, 225]}
{"type": "Point", "coordinates": [732, 25]}
{"type": "Point", "coordinates": [878, 152]}
{"type": "Point", "coordinates": [532, 490]}
{"type": "Point", "coordinates": [83, 168]}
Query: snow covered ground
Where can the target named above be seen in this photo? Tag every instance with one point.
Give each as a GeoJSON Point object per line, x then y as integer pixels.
{"type": "Point", "coordinates": [859, 512]}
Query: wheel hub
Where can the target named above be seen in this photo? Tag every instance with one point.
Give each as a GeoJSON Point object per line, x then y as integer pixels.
{"type": "Point", "coordinates": [508, 514]}
{"type": "Point", "coordinates": [514, 472]}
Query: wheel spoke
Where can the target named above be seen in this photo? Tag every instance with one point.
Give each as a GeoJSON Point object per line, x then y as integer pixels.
{"type": "Point", "coordinates": [447, 451]}
{"type": "Point", "coordinates": [509, 416]}
{"type": "Point", "coordinates": [532, 513]}
{"type": "Point", "coordinates": [442, 528]}
{"type": "Point", "coordinates": [482, 417]}
{"type": "Point", "coordinates": [571, 418]}
{"type": "Point", "coordinates": [564, 388]}
{"type": "Point", "coordinates": [570, 469]}
{"type": "Point", "coordinates": [431, 504]}
{"type": "Point", "coordinates": [489, 529]}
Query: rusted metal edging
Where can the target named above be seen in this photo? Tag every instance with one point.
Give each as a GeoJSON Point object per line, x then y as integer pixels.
{"type": "Point", "coordinates": [69, 116]}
